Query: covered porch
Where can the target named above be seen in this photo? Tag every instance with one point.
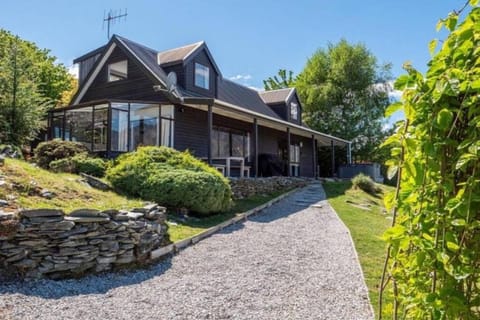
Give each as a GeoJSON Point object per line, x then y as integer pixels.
{"type": "Point", "coordinates": [237, 141]}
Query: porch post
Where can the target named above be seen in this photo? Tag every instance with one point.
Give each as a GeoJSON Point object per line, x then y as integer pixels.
{"type": "Point", "coordinates": [333, 158]}
{"type": "Point", "coordinates": [349, 153]}
{"type": "Point", "coordinates": [288, 153]}
{"type": "Point", "coordinates": [109, 130]}
{"type": "Point", "coordinates": [255, 143]}
{"type": "Point", "coordinates": [209, 143]}
{"type": "Point", "coordinates": [314, 158]}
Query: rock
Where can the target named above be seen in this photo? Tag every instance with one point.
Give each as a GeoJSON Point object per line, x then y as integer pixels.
{"type": "Point", "coordinates": [60, 226]}
{"type": "Point", "coordinates": [25, 264]}
{"type": "Point", "coordinates": [88, 213]}
{"type": "Point", "coordinates": [3, 203]}
{"type": "Point", "coordinates": [6, 215]}
{"type": "Point", "coordinates": [106, 260]}
{"type": "Point", "coordinates": [40, 220]}
{"type": "Point", "coordinates": [121, 217]}
{"type": "Point", "coordinates": [135, 215]}
{"type": "Point", "coordinates": [41, 213]}
{"type": "Point", "coordinates": [33, 243]}
{"type": "Point", "coordinates": [111, 212]}
{"type": "Point", "coordinates": [109, 246]}
{"type": "Point", "coordinates": [45, 193]}
{"type": "Point", "coordinates": [124, 259]}
{"type": "Point", "coordinates": [87, 219]}
{"type": "Point", "coordinates": [95, 182]}
{"type": "Point", "coordinates": [17, 257]}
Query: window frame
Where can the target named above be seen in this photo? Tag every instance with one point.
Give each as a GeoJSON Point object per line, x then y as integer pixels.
{"type": "Point", "coordinates": [294, 115]}
{"type": "Point", "coordinates": [206, 75]}
{"type": "Point", "coordinates": [120, 77]}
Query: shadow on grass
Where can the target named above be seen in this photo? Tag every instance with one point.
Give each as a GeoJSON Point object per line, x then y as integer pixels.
{"type": "Point", "coordinates": [91, 284]}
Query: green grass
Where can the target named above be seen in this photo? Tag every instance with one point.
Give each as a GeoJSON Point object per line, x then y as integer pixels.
{"type": "Point", "coordinates": [26, 181]}
{"type": "Point", "coordinates": [179, 230]}
{"type": "Point", "coordinates": [366, 227]}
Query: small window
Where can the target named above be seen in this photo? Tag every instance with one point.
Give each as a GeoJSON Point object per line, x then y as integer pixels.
{"type": "Point", "coordinates": [294, 111]}
{"type": "Point", "coordinates": [202, 76]}
{"type": "Point", "coordinates": [117, 71]}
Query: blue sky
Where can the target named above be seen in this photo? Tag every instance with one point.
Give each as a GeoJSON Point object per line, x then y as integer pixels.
{"type": "Point", "coordinates": [250, 40]}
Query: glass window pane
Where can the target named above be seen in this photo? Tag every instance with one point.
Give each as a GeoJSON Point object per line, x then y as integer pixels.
{"type": "Point", "coordinates": [100, 127]}
{"type": "Point", "coordinates": [120, 106]}
{"type": "Point", "coordinates": [144, 125]}
{"type": "Point", "coordinates": [117, 71]}
{"type": "Point", "coordinates": [202, 76]}
{"type": "Point", "coordinates": [294, 111]}
{"type": "Point", "coordinates": [57, 125]}
{"type": "Point", "coordinates": [119, 133]}
{"type": "Point", "coordinates": [167, 133]}
{"type": "Point", "coordinates": [237, 145]}
{"type": "Point", "coordinates": [79, 126]}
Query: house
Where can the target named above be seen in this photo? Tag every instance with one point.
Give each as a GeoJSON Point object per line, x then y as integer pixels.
{"type": "Point", "coordinates": [130, 95]}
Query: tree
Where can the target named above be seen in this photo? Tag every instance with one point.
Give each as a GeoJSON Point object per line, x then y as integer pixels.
{"type": "Point", "coordinates": [285, 80]}
{"type": "Point", "coordinates": [433, 256]}
{"type": "Point", "coordinates": [30, 83]}
{"type": "Point", "coordinates": [345, 93]}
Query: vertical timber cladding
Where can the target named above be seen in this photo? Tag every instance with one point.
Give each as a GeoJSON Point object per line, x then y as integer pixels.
{"type": "Point", "coordinates": [138, 86]}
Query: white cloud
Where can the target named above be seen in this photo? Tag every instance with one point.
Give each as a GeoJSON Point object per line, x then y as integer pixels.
{"type": "Point", "coordinates": [395, 95]}
{"type": "Point", "coordinates": [73, 70]}
{"type": "Point", "coordinates": [241, 77]}
{"type": "Point", "coordinates": [256, 88]}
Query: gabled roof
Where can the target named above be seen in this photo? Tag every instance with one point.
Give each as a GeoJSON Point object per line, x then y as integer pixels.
{"type": "Point", "coordinates": [277, 96]}
{"type": "Point", "coordinates": [184, 55]}
{"type": "Point", "coordinates": [177, 55]}
{"type": "Point", "coordinates": [239, 95]}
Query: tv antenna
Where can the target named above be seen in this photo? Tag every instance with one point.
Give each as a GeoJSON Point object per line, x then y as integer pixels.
{"type": "Point", "coordinates": [111, 17]}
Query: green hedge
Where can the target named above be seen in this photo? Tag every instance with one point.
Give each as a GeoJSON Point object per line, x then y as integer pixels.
{"type": "Point", "coordinates": [364, 182]}
{"type": "Point", "coordinates": [171, 178]}
{"type": "Point", "coordinates": [52, 150]}
{"type": "Point", "coordinates": [80, 163]}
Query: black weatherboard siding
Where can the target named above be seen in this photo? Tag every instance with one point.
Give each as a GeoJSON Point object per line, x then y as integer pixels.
{"type": "Point", "coordinates": [202, 58]}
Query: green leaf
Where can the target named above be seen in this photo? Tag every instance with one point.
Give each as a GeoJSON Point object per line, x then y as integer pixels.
{"type": "Point", "coordinates": [444, 119]}
{"type": "Point", "coordinates": [394, 233]}
{"type": "Point", "coordinates": [475, 84]}
{"type": "Point", "coordinates": [401, 82]}
{"type": "Point", "coordinates": [432, 46]}
{"type": "Point", "coordinates": [452, 246]}
{"type": "Point", "coordinates": [391, 172]}
{"type": "Point", "coordinates": [458, 222]}
{"type": "Point", "coordinates": [473, 3]}
{"type": "Point", "coordinates": [465, 160]}
{"type": "Point", "coordinates": [440, 24]}
{"type": "Point", "coordinates": [451, 21]}
{"type": "Point", "coordinates": [394, 107]}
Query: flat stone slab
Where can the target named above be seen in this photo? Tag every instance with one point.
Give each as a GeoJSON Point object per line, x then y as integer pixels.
{"type": "Point", "coordinates": [87, 219]}
{"type": "Point", "coordinates": [34, 213]}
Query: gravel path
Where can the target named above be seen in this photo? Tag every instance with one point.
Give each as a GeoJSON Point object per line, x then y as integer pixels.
{"type": "Point", "coordinates": [292, 261]}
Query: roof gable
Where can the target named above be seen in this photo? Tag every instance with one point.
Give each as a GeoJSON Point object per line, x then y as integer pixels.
{"type": "Point", "coordinates": [184, 55]}
{"type": "Point", "coordinates": [277, 96]}
{"type": "Point", "coordinates": [137, 53]}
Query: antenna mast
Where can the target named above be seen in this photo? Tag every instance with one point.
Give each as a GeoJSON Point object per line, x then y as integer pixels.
{"type": "Point", "coordinates": [111, 17]}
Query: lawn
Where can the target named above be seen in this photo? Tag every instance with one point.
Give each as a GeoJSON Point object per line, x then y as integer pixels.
{"type": "Point", "coordinates": [367, 220]}
{"type": "Point", "coordinates": [24, 183]}
{"type": "Point", "coordinates": [179, 228]}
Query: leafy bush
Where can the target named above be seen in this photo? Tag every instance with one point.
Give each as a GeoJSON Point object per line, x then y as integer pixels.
{"type": "Point", "coordinates": [52, 150]}
{"type": "Point", "coordinates": [171, 178]}
{"type": "Point", "coordinates": [11, 151]}
{"type": "Point", "coordinates": [365, 183]}
{"type": "Point", "coordinates": [80, 163]}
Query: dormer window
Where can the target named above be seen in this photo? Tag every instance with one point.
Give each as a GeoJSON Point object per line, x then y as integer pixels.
{"type": "Point", "coordinates": [294, 111]}
{"type": "Point", "coordinates": [117, 71]}
{"type": "Point", "coordinates": [202, 76]}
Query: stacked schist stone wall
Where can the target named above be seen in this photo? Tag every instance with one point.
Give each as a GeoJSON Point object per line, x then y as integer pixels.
{"type": "Point", "coordinates": [47, 243]}
{"type": "Point", "coordinates": [243, 188]}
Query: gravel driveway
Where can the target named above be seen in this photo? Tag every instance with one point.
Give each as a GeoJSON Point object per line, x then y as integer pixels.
{"type": "Point", "coordinates": [292, 261]}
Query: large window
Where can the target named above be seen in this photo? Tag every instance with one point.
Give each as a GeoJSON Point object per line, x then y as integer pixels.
{"type": "Point", "coordinates": [100, 127]}
{"type": "Point", "coordinates": [119, 133]}
{"type": "Point", "coordinates": [202, 76]}
{"type": "Point", "coordinates": [79, 126]}
{"type": "Point", "coordinates": [56, 126]}
{"type": "Point", "coordinates": [230, 143]}
{"type": "Point", "coordinates": [167, 113]}
{"type": "Point", "coordinates": [294, 160]}
{"type": "Point", "coordinates": [144, 125]}
{"type": "Point", "coordinates": [117, 71]}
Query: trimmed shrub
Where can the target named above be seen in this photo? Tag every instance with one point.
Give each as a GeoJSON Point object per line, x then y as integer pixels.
{"type": "Point", "coordinates": [171, 178]}
{"type": "Point", "coordinates": [365, 183]}
{"type": "Point", "coordinates": [52, 150]}
{"type": "Point", "coordinates": [80, 163]}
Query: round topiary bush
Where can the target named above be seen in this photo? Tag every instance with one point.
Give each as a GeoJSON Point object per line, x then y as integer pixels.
{"type": "Point", "coordinates": [365, 183]}
{"type": "Point", "coordinates": [171, 178]}
{"type": "Point", "coordinates": [52, 150]}
{"type": "Point", "coordinates": [80, 163]}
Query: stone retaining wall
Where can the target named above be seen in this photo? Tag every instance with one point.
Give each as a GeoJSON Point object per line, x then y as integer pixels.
{"type": "Point", "coordinates": [47, 243]}
{"type": "Point", "coordinates": [247, 187]}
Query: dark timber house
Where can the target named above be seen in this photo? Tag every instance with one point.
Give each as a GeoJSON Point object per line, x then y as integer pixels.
{"type": "Point", "coordinates": [124, 101]}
